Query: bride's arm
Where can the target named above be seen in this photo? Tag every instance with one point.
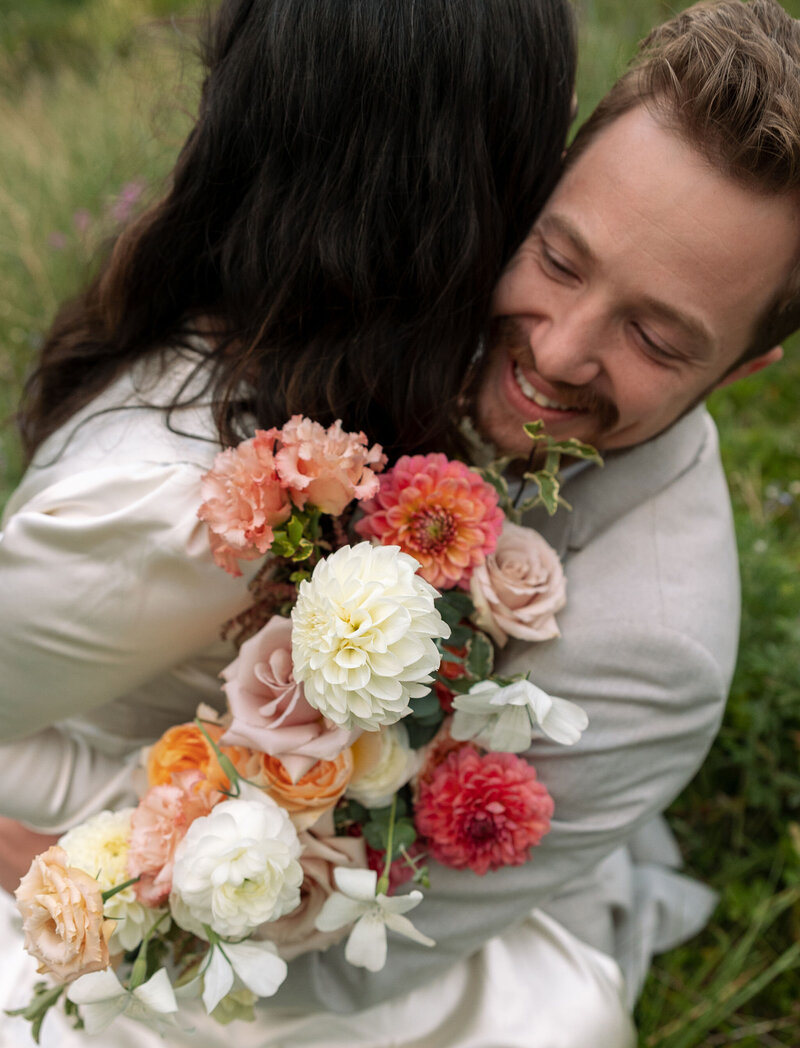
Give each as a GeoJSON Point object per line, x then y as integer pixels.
{"type": "Point", "coordinates": [107, 582]}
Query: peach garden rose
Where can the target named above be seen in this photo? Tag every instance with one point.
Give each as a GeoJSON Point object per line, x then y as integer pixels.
{"type": "Point", "coordinates": [62, 917]}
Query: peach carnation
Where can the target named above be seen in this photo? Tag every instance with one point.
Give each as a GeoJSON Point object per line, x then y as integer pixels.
{"type": "Point", "coordinates": [482, 811]}
{"type": "Point", "coordinates": [439, 511]}
{"type": "Point", "coordinates": [62, 917]}
{"type": "Point", "coordinates": [327, 467]}
{"type": "Point", "coordinates": [244, 498]}
{"type": "Point", "coordinates": [158, 825]}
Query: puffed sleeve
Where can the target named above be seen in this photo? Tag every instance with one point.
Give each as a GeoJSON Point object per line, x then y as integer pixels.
{"type": "Point", "coordinates": [654, 698]}
{"type": "Point", "coordinates": [107, 582]}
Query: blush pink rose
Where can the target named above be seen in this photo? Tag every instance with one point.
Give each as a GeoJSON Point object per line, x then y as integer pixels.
{"type": "Point", "coordinates": [62, 917]}
{"type": "Point", "coordinates": [322, 851]}
{"type": "Point", "coordinates": [519, 588]}
{"type": "Point", "coordinates": [327, 467]}
{"type": "Point", "coordinates": [270, 711]}
{"type": "Point", "coordinates": [244, 499]}
{"type": "Point", "coordinates": [158, 825]}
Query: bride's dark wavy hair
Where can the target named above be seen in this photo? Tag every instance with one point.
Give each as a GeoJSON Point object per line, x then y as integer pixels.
{"type": "Point", "coordinates": [359, 173]}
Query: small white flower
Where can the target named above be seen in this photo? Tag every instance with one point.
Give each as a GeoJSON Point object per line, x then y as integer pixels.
{"type": "Point", "coordinates": [395, 763]}
{"type": "Point", "coordinates": [255, 962]}
{"type": "Point", "coordinates": [99, 847]}
{"type": "Point", "coordinates": [236, 868]}
{"type": "Point", "coordinates": [505, 719]}
{"type": "Point", "coordinates": [363, 632]}
{"type": "Point", "coordinates": [102, 998]}
{"type": "Point", "coordinates": [356, 901]}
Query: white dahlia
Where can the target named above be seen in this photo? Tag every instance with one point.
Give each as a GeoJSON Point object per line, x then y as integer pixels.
{"type": "Point", "coordinates": [236, 868]}
{"type": "Point", "coordinates": [363, 632]}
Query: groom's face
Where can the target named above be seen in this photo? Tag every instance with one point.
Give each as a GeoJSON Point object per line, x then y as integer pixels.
{"type": "Point", "coordinates": [635, 293]}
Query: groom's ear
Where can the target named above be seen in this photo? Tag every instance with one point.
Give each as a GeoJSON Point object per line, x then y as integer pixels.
{"type": "Point", "coordinates": [750, 367]}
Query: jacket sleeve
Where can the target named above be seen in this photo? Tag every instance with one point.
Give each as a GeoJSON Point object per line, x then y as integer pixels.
{"type": "Point", "coordinates": [654, 698]}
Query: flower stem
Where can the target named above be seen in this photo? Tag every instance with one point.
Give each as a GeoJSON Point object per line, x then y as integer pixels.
{"type": "Point", "coordinates": [382, 886]}
{"type": "Point", "coordinates": [224, 761]}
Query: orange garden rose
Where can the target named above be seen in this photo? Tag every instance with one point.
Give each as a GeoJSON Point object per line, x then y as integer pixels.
{"type": "Point", "coordinates": [62, 917]}
{"type": "Point", "coordinates": [183, 748]}
{"type": "Point", "coordinates": [312, 795]}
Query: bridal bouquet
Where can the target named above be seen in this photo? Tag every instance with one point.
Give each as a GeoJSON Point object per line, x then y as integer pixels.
{"type": "Point", "coordinates": [365, 733]}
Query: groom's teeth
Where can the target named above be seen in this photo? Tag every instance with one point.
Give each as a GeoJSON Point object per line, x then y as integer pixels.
{"type": "Point", "coordinates": [533, 394]}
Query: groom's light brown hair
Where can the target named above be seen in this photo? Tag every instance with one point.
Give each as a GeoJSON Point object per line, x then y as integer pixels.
{"type": "Point", "coordinates": [725, 76]}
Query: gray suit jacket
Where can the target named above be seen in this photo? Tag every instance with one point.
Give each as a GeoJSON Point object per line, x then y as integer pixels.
{"type": "Point", "coordinates": [648, 648]}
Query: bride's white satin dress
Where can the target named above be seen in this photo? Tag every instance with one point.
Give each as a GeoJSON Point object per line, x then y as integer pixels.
{"type": "Point", "coordinates": [537, 986]}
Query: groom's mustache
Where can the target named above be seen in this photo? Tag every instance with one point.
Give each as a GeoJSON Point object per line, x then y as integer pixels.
{"type": "Point", "coordinates": [508, 333]}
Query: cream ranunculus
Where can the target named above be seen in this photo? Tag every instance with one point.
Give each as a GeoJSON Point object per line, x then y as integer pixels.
{"type": "Point", "coordinates": [100, 847]}
{"type": "Point", "coordinates": [391, 767]}
{"type": "Point", "coordinates": [236, 868]}
{"type": "Point", "coordinates": [363, 632]}
{"type": "Point", "coordinates": [519, 588]}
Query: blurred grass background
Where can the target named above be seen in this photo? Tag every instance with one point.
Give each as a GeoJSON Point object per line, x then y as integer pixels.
{"type": "Point", "coordinates": [95, 99]}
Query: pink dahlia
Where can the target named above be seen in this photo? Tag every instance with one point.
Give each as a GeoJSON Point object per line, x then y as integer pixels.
{"type": "Point", "coordinates": [440, 512]}
{"type": "Point", "coordinates": [482, 811]}
{"type": "Point", "coordinates": [327, 467]}
{"type": "Point", "coordinates": [244, 498]}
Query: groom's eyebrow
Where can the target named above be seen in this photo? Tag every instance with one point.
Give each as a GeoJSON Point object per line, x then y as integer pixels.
{"type": "Point", "coordinates": [693, 327]}
{"type": "Point", "coordinates": [555, 223]}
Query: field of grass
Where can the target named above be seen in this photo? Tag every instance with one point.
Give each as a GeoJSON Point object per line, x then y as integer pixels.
{"type": "Point", "coordinates": [95, 96]}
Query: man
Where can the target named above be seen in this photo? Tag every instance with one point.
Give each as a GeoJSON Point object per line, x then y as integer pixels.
{"type": "Point", "coordinates": [666, 263]}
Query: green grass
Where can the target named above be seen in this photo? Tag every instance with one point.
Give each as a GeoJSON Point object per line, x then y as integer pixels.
{"type": "Point", "coordinates": [97, 94]}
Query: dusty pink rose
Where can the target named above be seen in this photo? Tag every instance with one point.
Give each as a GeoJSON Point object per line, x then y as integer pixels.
{"type": "Point", "coordinates": [519, 588]}
{"type": "Point", "coordinates": [270, 711]}
{"type": "Point", "coordinates": [322, 851]}
{"type": "Point", "coordinates": [62, 917]}
{"type": "Point", "coordinates": [440, 512]}
{"type": "Point", "coordinates": [327, 467]}
{"type": "Point", "coordinates": [482, 811]}
{"type": "Point", "coordinates": [244, 499]}
{"type": "Point", "coordinates": [158, 825]}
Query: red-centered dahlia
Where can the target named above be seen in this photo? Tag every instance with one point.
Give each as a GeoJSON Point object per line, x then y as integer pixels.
{"type": "Point", "coordinates": [439, 511]}
{"type": "Point", "coordinates": [482, 811]}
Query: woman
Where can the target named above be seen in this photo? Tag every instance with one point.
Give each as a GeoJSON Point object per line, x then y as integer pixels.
{"type": "Point", "coordinates": [359, 174]}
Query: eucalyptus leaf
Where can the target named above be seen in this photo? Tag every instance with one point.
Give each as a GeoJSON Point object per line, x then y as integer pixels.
{"type": "Point", "coordinates": [480, 660]}
{"type": "Point", "coordinates": [420, 733]}
{"type": "Point", "coordinates": [425, 707]}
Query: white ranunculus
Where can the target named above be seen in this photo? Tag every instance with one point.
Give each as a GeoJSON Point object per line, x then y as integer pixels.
{"type": "Point", "coordinates": [363, 632]}
{"type": "Point", "coordinates": [506, 719]}
{"type": "Point", "coordinates": [395, 764]}
{"type": "Point", "coordinates": [236, 868]}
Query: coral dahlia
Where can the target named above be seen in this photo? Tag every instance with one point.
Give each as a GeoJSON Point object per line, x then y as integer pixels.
{"type": "Point", "coordinates": [482, 811]}
{"type": "Point", "coordinates": [439, 511]}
